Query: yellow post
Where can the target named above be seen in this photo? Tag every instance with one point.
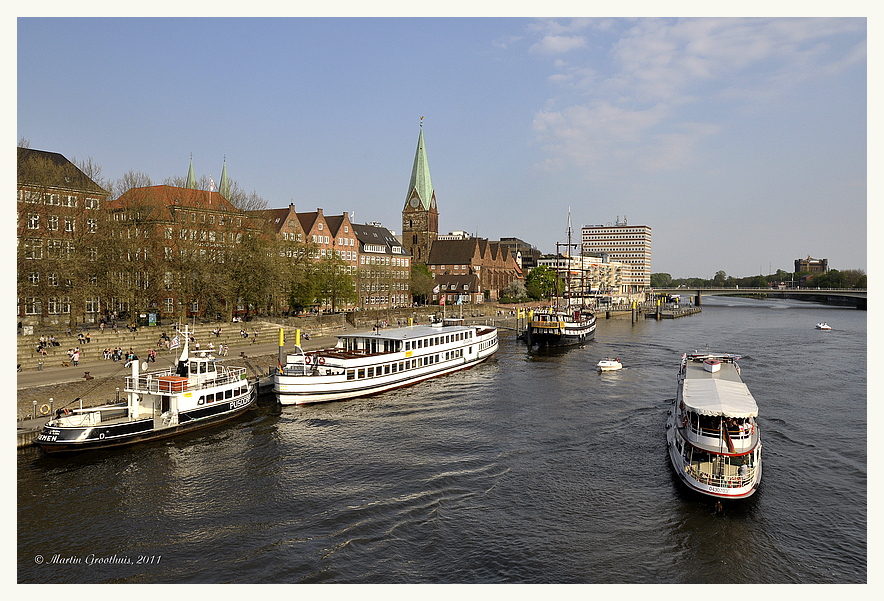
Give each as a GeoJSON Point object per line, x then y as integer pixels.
{"type": "Point", "coordinates": [280, 359]}
{"type": "Point", "coordinates": [411, 321]}
{"type": "Point", "coordinates": [298, 337]}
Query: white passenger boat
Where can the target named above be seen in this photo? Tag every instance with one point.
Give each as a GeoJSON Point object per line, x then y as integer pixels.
{"type": "Point", "coordinates": [199, 392]}
{"type": "Point", "coordinates": [712, 433]}
{"type": "Point", "coordinates": [608, 364]}
{"type": "Point", "coordinates": [823, 326]}
{"type": "Point", "coordinates": [550, 327]}
{"type": "Point", "coordinates": [366, 363]}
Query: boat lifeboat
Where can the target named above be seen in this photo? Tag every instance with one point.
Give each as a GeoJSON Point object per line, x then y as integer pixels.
{"type": "Point", "coordinates": [712, 365]}
{"type": "Point", "coordinates": [608, 364]}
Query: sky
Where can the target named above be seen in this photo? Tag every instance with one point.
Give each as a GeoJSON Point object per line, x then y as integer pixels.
{"type": "Point", "coordinates": [742, 142]}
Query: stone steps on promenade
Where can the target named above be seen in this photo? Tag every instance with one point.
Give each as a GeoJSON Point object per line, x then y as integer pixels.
{"type": "Point", "coordinates": [140, 341]}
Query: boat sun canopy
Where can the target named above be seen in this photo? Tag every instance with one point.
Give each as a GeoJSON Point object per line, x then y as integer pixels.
{"type": "Point", "coordinates": [719, 397]}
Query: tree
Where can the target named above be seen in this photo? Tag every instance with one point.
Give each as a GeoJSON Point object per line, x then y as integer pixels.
{"type": "Point", "coordinates": [515, 291]}
{"type": "Point", "coordinates": [541, 282]}
{"type": "Point", "coordinates": [661, 280]}
{"type": "Point", "coordinates": [334, 284]}
{"type": "Point", "coordinates": [422, 281]}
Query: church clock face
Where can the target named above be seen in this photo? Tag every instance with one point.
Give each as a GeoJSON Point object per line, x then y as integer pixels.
{"type": "Point", "coordinates": [415, 201]}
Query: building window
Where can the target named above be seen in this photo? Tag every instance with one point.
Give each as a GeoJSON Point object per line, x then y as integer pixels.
{"type": "Point", "coordinates": [33, 248]}
{"type": "Point", "coordinates": [33, 221]}
{"type": "Point", "coordinates": [91, 203]}
{"type": "Point", "coordinates": [33, 306]}
{"type": "Point", "coordinates": [68, 224]}
{"type": "Point", "coordinates": [91, 225]}
{"type": "Point", "coordinates": [53, 279]}
{"type": "Point", "coordinates": [169, 304]}
{"type": "Point", "coordinates": [34, 278]}
{"type": "Point", "coordinates": [93, 305]}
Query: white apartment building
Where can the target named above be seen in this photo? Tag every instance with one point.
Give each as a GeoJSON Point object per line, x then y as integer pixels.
{"type": "Point", "coordinates": [588, 276]}
{"type": "Point", "coordinates": [627, 244]}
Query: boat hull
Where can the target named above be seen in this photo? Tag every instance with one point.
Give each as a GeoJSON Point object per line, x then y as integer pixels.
{"type": "Point", "coordinates": [543, 334]}
{"type": "Point", "coordinates": [67, 439]}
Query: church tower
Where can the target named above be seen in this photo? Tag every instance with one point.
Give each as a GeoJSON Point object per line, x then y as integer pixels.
{"type": "Point", "coordinates": [420, 218]}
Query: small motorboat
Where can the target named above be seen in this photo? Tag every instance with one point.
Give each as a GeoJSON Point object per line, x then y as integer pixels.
{"type": "Point", "coordinates": [823, 326]}
{"type": "Point", "coordinates": [712, 365]}
{"type": "Point", "coordinates": [608, 364]}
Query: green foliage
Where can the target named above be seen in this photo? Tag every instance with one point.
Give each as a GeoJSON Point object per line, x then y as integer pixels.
{"type": "Point", "coordinates": [422, 282]}
{"type": "Point", "coordinates": [661, 280]}
{"type": "Point", "coordinates": [541, 283]}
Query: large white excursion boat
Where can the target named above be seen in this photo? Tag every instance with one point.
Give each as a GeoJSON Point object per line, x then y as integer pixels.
{"type": "Point", "coordinates": [199, 392]}
{"type": "Point", "coordinates": [366, 363]}
{"type": "Point", "coordinates": [551, 327]}
{"type": "Point", "coordinates": [712, 433]}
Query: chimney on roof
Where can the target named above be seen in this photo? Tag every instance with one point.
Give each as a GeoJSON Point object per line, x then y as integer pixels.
{"type": "Point", "coordinates": [319, 211]}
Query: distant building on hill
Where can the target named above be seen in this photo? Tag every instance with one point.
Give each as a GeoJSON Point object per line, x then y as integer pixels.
{"type": "Point", "coordinates": [810, 265]}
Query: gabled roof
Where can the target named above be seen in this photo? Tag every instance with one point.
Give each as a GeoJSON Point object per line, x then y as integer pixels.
{"type": "Point", "coordinates": [172, 197]}
{"type": "Point", "coordinates": [308, 220]}
{"type": "Point", "coordinates": [335, 222]}
{"type": "Point", "coordinates": [452, 252]}
{"type": "Point", "coordinates": [459, 281]}
{"type": "Point", "coordinates": [51, 169]}
{"type": "Point", "coordinates": [420, 176]}
{"type": "Point", "coordinates": [378, 235]}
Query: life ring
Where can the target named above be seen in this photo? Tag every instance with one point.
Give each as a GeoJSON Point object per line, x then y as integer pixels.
{"type": "Point", "coordinates": [201, 401]}
{"type": "Point", "coordinates": [44, 409]}
{"type": "Point", "coordinates": [322, 360]}
{"type": "Point", "coordinates": [307, 360]}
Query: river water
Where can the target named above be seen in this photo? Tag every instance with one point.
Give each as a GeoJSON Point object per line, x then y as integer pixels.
{"type": "Point", "coordinates": [530, 468]}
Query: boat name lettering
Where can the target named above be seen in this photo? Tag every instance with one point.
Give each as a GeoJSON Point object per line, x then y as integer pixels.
{"type": "Point", "coordinates": [239, 402]}
{"type": "Point", "coordinates": [717, 489]}
{"type": "Point", "coordinates": [47, 437]}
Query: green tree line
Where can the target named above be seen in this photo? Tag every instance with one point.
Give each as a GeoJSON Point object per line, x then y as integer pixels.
{"type": "Point", "coordinates": [848, 278]}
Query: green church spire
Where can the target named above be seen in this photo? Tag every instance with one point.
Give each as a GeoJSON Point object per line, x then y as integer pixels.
{"type": "Point", "coordinates": [224, 185]}
{"type": "Point", "coordinates": [191, 178]}
{"type": "Point", "coordinates": [420, 185]}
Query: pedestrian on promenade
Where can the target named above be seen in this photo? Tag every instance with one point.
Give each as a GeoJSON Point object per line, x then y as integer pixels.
{"type": "Point", "coordinates": [76, 357]}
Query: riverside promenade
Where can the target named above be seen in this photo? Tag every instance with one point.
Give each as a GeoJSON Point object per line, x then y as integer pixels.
{"type": "Point", "coordinates": [54, 381]}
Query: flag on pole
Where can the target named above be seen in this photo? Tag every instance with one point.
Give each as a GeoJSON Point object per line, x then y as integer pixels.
{"type": "Point", "coordinates": [176, 342]}
{"type": "Point", "coordinates": [436, 290]}
{"type": "Point", "coordinates": [442, 300]}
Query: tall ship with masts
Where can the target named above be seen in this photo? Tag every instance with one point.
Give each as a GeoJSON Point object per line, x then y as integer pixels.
{"type": "Point", "coordinates": [570, 319]}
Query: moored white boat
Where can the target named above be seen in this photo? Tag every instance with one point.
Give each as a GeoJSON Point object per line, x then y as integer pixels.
{"type": "Point", "coordinates": [367, 363]}
{"type": "Point", "coordinates": [608, 364]}
{"type": "Point", "coordinates": [823, 326]}
{"type": "Point", "coordinates": [198, 392]}
{"type": "Point", "coordinates": [712, 433]}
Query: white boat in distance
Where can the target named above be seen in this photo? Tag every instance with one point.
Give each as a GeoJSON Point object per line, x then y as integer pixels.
{"type": "Point", "coordinates": [712, 433]}
{"type": "Point", "coordinates": [367, 363]}
{"type": "Point", "coordinates": [199, 392]}
{"type": "Point", "coordinates": [608, 364]}
{"type": "Point", "coordinates": [823, 326]}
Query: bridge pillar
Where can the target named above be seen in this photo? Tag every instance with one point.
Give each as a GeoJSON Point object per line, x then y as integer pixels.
{"type": "Point", "coordinates": [697, 302]}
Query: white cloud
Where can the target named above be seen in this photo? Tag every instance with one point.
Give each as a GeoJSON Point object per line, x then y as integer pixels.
{"type": "Point", "coordinates": [554, 44]}
{"type": "Point", "coordinates": [638, 96]}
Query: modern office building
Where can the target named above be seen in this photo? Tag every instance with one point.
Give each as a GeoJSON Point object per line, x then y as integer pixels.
{"type": "Point", "coordinates": [626, 244]}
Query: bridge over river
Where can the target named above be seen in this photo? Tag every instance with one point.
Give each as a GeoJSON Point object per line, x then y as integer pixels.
{"type": "Point", "coordinates": [840, 296]}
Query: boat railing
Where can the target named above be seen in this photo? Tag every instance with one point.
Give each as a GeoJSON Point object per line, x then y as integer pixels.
{"type": "Point", "coordinates": [151, 382]}
{"type": "Point", "coordinates": [721, 480]}
{"type": "Point", "coordinates": [298, 369]}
